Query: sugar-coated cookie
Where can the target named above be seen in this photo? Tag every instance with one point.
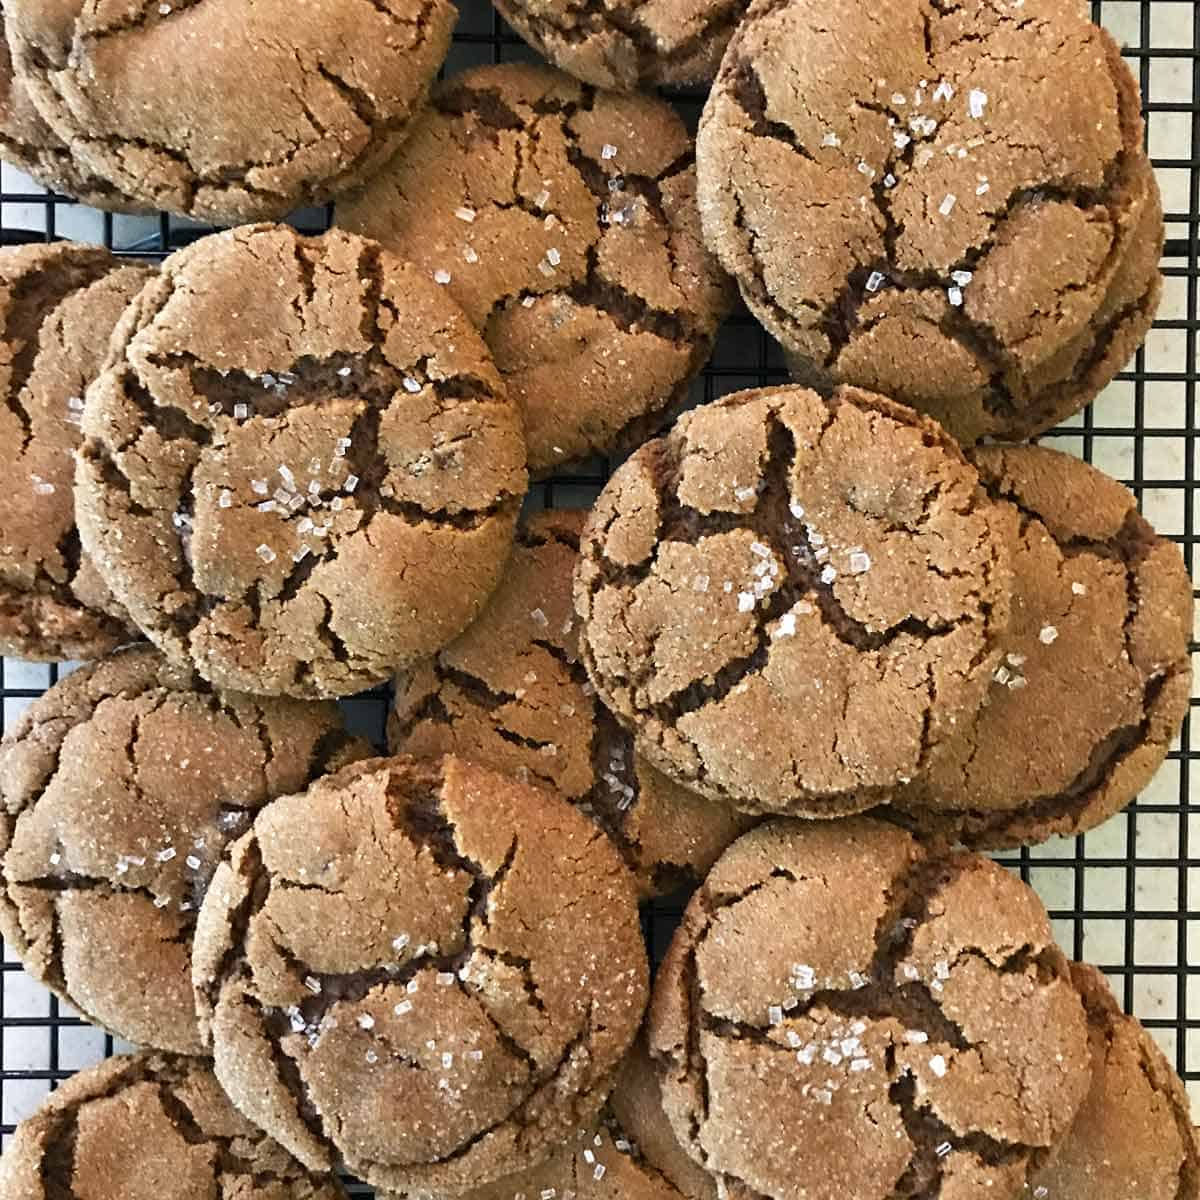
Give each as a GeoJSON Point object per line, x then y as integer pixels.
{"type": "Point", "coordinates": [423, 968]}
{"type": "Point", "coordinates": [300, 470]}
{"type": "Point", "coordinates": [793, 600]}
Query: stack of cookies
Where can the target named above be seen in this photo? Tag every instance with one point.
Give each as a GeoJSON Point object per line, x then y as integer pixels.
{"type": "Point", "coordinates": [814, 647]}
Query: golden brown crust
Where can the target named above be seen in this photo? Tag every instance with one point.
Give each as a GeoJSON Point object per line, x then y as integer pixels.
{"type": "Point", "coordinates": [121, 788]}
{"type": "Point", "coordinates": [564, 221]}
{"type": "Point", "coordinates": [58, 306]}
{"type": "Point", "coordinates": [511, 693]}
{"type": "Point", "coordinates": [836, 987]}
{"type": "Point", "coordinates": [1134, 1135]}
{"type": "Point", "coordinates": [424, 968]}
{"type": "Point", "coordinates": [300, 470]}
{"type": "Point", "coordinates": [1102, 613]}
{"type": "Point", "coordinates": [948, 204]}
{"type": "Point", "coordinates": [164, 102]}
{"type": "Point", "coordinates": [791, 601]}
{"type": "Point", "coordinates": [146, 1126]}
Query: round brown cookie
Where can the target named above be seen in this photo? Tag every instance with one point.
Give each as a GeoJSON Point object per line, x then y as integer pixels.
{"type": "Point", "coordinates": [1134, 1135]}
{"type": "Point", "coordinates": [121, 788]}
{"type": "Point", "coordinates": [423, 968]}
{"type": "Point", "coordinates": [602, 1165]}
{"type": "Point", "coordinates": [637, 1103]}
{"type": "Point", "coordinates": [949, 204]}
{"type": "Point", "coordinates": [144, 1126]}
{"type": "Point", "coordinates": [628, 44]}
{"type": "Point", "coordinates": [300, 470]}
{"type": "Point", "coordinates": [165, 102]}
{"type": "Point", "coordinates": [564, 221]}
{"type": "Point", "coordinates": [1102, 614]}
{"type": "Point", "coordinates": [843, 1013]}
{"type": "Point", "coordinates": [58, 306]}
{"type": "Point", "coordinates": [792, 601]}
{"type": "Point", "coordinates": [512, 694]}
{"type": "Point", "coordinates": [29, 143]}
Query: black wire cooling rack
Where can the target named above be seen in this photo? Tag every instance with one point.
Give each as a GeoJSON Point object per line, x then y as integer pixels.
{"type": "Point", "coordinates": [1119, 897]}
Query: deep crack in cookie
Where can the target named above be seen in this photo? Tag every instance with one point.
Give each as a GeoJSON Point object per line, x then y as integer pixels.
{"type": "Point", "coordinates": [149, 1125]}
{"type": "Point", "coordinates": [843, 1013]}
{"type": "Point", "coordinates": [512, 694]}
{"type": "Point", "coordinates": [231, 110]}
{"type": "Point", "coordinates": [564, 221]}
{"type": "Point", "coordinates": [300, 470]}
{"type": "Point", "coordinates": [427, 969]}
{"type": "Point", "coordinates": [792, 601]}
{"type": "Point", "coordinates": [948, 202]}
{"type": "Point", "coordinates": [58, 306]}
{"type": "Point", "coordinates": [602, 1164]}
{"type": "Point", "coordinates": [122, 787]}
{"type": "Point", "coordinates": [1102, 615]}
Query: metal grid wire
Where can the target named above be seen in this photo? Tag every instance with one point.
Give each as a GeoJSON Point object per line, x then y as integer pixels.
{"type": "Point", "coordinates": [1120, 897]}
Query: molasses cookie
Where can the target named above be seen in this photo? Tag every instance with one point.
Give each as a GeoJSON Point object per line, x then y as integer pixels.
{"type": "Point", "coordinates": [602, 1165]}
{"type": "Point", "coordinates": [845, 1014]}
{"type": "Point", "coordinates": [793, 601]}
{"type": "Point", "coordinates": [1102, 614]}
{"type": "Point", "coordinates": [300, 470]}
{"type": "Point", "coordinates": [149, 1125]}
{"type": "Point", "coordinates": [564, 221]}
{"type": "Point", "coordinates": [239, 110]}
{"type": "Point", "coordinates": [512, 694]}
{"type": "Point", "coordinates": [422, 968]}
{"type": "Point", "coordinates": [637, 1103]}
{"type": "Point", "coordinates": [1134, 1135]}
{"type": "Point", "coordinates": [30, 144]}
{"type": "Point", "coordinates": [949, 204]}
{"type": "Point", "coordinates": [628, 44]}
{"type": "Point", "coordinates": [121, 787]}
{"type": "Point", "coordinates": [58, 306]}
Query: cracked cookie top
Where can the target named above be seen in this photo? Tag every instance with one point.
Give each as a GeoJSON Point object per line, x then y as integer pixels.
{"type": "Point", "coordinates": [58, 306]}
{"type": "Point", "coordinates": [943, 200]}
{"type": "Point", "coordinates": [30, 144]}
{"type": "Point", "coordinates": [792, 601]}
{"type": "Point", "coordinates": [166, 102]}
{"type": "Point", "coordinates": [1134, 1134]}
{"type": "Point", "coordinates": [564, 221]}
{"type": "Point", "coordinates": [628, 44]}
{"type": "Point", "coordinates": [843, 1013]}
{"type": "Point", "coordinates": [145, 1126]}
{"type": "Point", "coordinates": [121, 788]}
{"type": "Point", "coordinates": [511, 693]}
{"type": "Point", "coordinates": [300, 469]}
{"type": "Point", "coordinates": [602, 1165]}
{"type": "Point", "coordinates": [1102, 613]}
{"type": "Point", "coordinates": [422, 968]}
